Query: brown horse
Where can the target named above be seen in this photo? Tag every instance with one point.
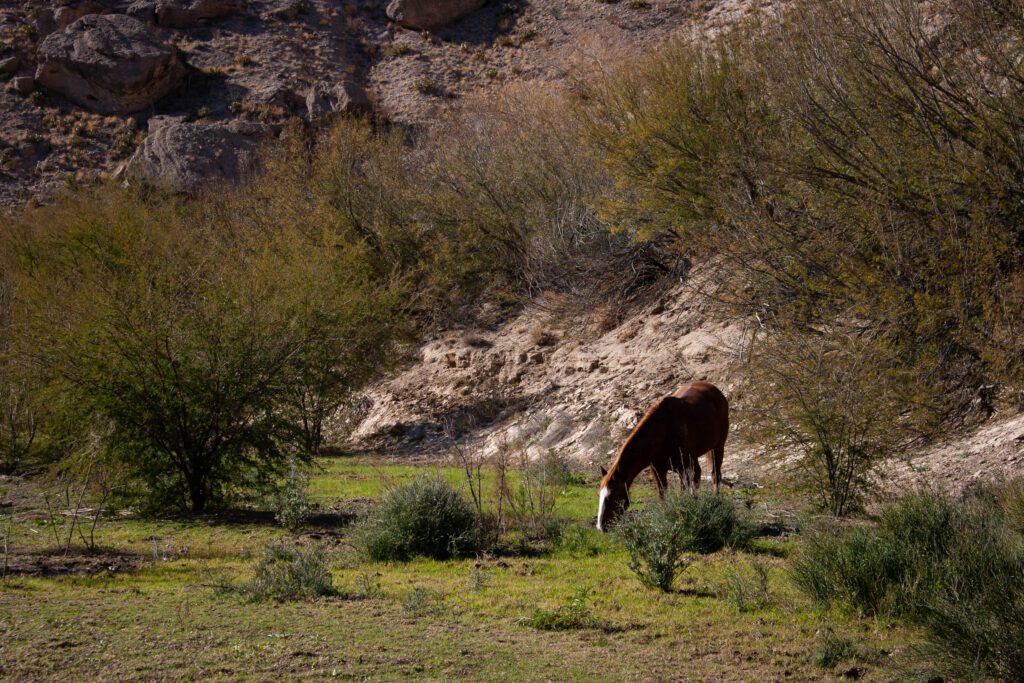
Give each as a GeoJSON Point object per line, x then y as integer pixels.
{"type": "Point", "coordinates": [674, 433]}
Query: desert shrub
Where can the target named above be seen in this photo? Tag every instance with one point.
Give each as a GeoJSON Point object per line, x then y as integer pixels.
{"type": "Point", "coordinates": [290, 574]}
{"type": "Point", "coordinates": [425, 517]}
{"type": "Point", "coordinates": [191, 345]}
{"type": "Point", "coordinates": [658, 537]}
{"type": "Point", "coordinates": [573, 614]}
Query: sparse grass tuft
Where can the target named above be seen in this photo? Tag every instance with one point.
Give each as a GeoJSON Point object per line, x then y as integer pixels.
{"type": "Point", "coordinates": [284, 574]}
{"type": "Point", "coordinates": [573, 614]}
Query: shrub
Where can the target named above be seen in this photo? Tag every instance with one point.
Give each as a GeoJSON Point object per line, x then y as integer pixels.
{"type": "Point", "coordinates": [425, 517]}
{"type": "Point", "coordinates": [285, 574]}
{"type": "Point", "coordinates": [203, 350]}
{"type": "Point", "coordinates": [657, 537]}
{"type": "Point", "coordinates": [574, 614]}
{"type": "Point", "coordinates": [292, 499]}
{"type": "Point", "coordinates": [955, 568]}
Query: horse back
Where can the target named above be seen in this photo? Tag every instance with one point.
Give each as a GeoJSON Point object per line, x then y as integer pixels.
{"type": "Point", "coordinates": [702, 414]}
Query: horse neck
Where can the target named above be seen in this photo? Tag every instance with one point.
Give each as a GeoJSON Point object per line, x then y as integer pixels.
{"type": "Point", "coordinates": [630, 463]}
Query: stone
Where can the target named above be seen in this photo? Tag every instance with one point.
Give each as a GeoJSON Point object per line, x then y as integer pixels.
{"type": "Point", "coordinates": [287, 10]}
{"type": "Point", "coordinates": [72, 12]}
{"type": "Point", "coordinates": [9, 66]}
{"type": "Point", "coordinates": [157, 122]}
{"type": "Point", "coordinates": [430, 14]}
{"type": "Point", "coordinates": [109, 64]}
{"type": "Point", "coordinates": [326, 100]}
{"type": "Point", "coordinates": [23, 85]}
{"type": "Point", "coordinates": [184, 157]}
{"type": "Point", "coordinates": [189, 13]}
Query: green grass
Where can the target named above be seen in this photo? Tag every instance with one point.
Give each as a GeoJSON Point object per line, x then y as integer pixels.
{"type": "Point", "coordinates": [425, 619]}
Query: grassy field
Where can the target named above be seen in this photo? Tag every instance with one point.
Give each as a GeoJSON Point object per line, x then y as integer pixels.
{"type": "Point", "coordinates": [148, 606]}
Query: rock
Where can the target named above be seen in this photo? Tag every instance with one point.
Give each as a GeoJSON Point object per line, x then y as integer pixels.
{"type": "Point", "coordinates": [346, 97]}
{"type": "Point", "coordinates": [287, 10]}
{"type": "Point", "coordinates": [183, 157]}
{"type": "Point", "coordinates": [22, 85]}
{"type": "Point", "coordinates": [108, 63]}
{"type": "Point", "coordinates": [70, 13]}
{"type": "Point", "coordinates": [188, 13]}
{"type": "Point", "coordinates": [157, 122]}
{"type": "Point", "coordinates": [430, 14]}
{"type": "Point", "coordinates": [9, 66]}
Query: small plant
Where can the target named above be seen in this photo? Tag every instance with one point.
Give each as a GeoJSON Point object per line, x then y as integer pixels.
{"type": "Point", "coordinates": [292, 503]}
{"type": "Point", "coordinates": [542, 336]}
{"type": "Point", "coordinates": [368, 584]}
{"type": "Point", "coordinates": [833, 649]}
{"type": "Point", "coordinates": [398, 49]}
{"type": "Point", "coordinates": [427, 86]}
{"type": "Point", "coordinates": [421, 601]}
{"type": "Point", "coordinates": [478, 578]}
{"type": "Point", "coordinates": [425, 517]}
{"type": "Point", "coordinates": [574, 614]}
{"type": "Point", "coordinates": [284, 574]}
{"type": "Point", "coordinates": [709, 522]}
{"type": "Point", "coordinates": [748, 591]}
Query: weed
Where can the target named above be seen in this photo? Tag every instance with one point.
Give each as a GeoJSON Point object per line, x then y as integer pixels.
{"type": "Point", "coordinates": [398, 49]}
{"type": "Point", "coordinates": [284, 574]}
{"type": "Point", "coordinates": [833, 649]}
{"type": "Point", "coordinates": [748, 591]}
{"type": "Point", "coordinates": [421, 601]}
{"type": "Point", "coordinates": [573, 614]}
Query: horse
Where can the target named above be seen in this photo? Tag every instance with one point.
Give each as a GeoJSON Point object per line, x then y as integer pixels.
{"type": "Point", "coordinates": [673, 434]}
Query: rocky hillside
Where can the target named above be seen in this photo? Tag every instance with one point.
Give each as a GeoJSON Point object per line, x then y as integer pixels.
{"type": "Point", "coordinates": [575, 383]}
{"type": "Point", "coordinates": [91, 85]}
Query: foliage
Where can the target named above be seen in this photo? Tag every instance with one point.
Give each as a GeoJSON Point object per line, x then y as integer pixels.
{"type": "Point", "coordinates": [285, 574]}
{"type": "Point", "coordinates": [184, 342]}
{"type": "Point", "coordinates": [850, 167]}
{"type": "Point", "coordinates": [574, 614]}
{"type": "Point", "coordinates": [748, 590]}
{"type": "Point", "coordinates": [425, 517]}
{"type": "Point", "coordinates": [292, 500]}
{"type": "Point", "coordinates": [955, 568]}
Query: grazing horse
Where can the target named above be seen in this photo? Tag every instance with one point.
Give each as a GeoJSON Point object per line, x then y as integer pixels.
{"type": "Point", "coordinates": [674, 433]}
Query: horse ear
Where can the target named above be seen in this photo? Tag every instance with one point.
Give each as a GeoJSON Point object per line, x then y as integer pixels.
{"type": "Point", "coordinates": [604, 472]}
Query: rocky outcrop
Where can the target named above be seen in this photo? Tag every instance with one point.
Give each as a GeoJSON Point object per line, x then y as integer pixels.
{"type": "Point", "coordinates": [430, 14]}
{"type": "Point", "coordinates": [182, 157]}
{"type": "Point", "coordinates": [188, 13]}
{"type": "Point", "coordinates": [326, 100]}
{"type": "Point", "coordinates": [109, 63]}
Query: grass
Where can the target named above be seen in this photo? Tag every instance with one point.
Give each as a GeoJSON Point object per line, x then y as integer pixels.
{"type": "Point", "coordinates": [422, 619]}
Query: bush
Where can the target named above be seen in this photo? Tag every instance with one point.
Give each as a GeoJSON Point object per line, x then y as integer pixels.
{"type": "Point", "coordinates": [425, 517]}
{"type": "Point", "coordinates": [574, 614]}
{"type": "Point", "coordinates": [955, 568]}
{"type": "Point", "coordinates": [657, 537]}
{"type": "Point", "coordinates": [202, 351]}
{"type": "Point", "coordinates": [285, 574]}
{"type": "Point", "coordinates": [292, 500]}
{"type": "Point", "coordinates": [833, 649]}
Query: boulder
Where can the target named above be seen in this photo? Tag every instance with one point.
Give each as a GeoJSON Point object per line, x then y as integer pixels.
{"type": "Point", "coordinates": [108, 63]}
{"type": "Point", "coordinates": [72, 12]}
{"type": "Point", "coordinates": [182, 157]}
{"type": "Point", "coordinates": [286, 10]}
{"type": "Point", "coordinates": [430, 14]}
{"type": "Point", "coordinates": [188, 13]}
{"type": "Point", "coordinates": [9, 66]}
{"type": "Point", "coordinates": [326, 100]}
{"type": "Point", "coordinates": [23, 85]}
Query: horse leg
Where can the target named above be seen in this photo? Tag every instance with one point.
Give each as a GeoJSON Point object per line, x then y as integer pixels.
{"type": "Point", "coordinates": [716, 471]}
{"type": "Point", "coordinates": [660, 479]}
{"type": "Point", "coordinates": [695, 469]}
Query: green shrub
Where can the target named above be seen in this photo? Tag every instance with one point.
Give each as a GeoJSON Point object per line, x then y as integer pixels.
{"type": "Point", "coordinates": [574, 614]}
{"type": "Point", "coordinates": [425, 517]}
{"type": "Point", "coordinates": [285, 574]}
{"type": "Point", "coordinates": [709, 522]}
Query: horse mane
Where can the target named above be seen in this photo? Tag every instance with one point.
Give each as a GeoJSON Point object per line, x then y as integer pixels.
{"type": "Point", "coordinates": [648, 416]}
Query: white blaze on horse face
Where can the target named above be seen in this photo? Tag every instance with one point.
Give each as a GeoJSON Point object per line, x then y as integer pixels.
{"type": "Point", "coordinates": [602, 498]}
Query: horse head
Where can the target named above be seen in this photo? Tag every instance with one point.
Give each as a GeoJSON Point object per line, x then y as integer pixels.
{"type": "Point", "coordinates": [612, 499]}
